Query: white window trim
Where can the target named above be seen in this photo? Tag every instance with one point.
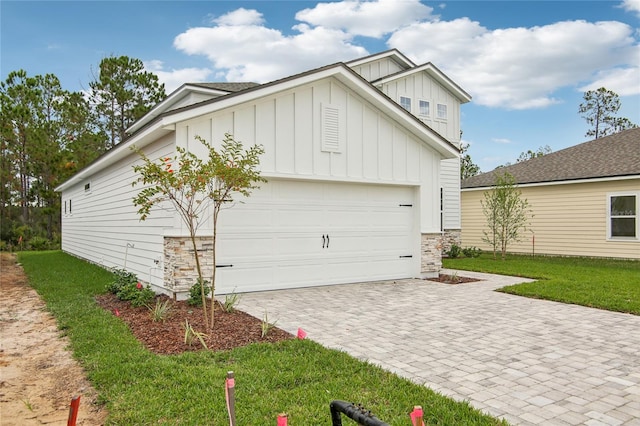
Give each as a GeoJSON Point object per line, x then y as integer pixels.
{"type": "Point", "coordinates": [410, 103]}
{"type": "Point", "coordinates": [436, 116]}
{"type": "Point", "coordinates": [420, 114]}
{"type": "Point", "coordinates": [637, 216]}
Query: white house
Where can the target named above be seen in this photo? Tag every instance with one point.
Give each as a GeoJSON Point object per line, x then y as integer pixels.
{"type": "Point", "coordinates": [362, 164]}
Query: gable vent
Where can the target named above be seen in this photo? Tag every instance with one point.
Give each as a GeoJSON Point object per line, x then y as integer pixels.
{"type": "Point", "coordinates": [330, 128]}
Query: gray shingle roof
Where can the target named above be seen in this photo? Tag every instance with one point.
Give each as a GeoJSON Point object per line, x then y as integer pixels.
{"type": "Point", "coordinates": [227, 87]}
{"type": "Point", "coordinates": [610, 156]}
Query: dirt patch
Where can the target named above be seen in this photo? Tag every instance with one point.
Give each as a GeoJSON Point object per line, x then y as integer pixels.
{"type": "Point", "coordinates": [453, 279]}
{"type": "Point", "coordinates": [231, 329]}
{"type": "Point", "coordinates": [38, 375]}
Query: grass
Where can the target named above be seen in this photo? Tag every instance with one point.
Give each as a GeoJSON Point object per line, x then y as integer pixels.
{"type": "Point", "coordinates": [298, 377]}
{"type": "Point", "coordinates": [610, 284]}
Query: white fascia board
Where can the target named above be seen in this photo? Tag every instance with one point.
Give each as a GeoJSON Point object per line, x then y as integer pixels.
{"type": "Point", "coordinates": [120, 151]}
{"type": "Point", "coordinates": [559, 182]}
{"type": "Point", "coordinates": [393, 53]}
{"type": "Point", "coordinates": [343, 74]}
{"type": "Point", "coordinates": [436, 74]}
{"type": "Point", "coordinates": [166, 104]}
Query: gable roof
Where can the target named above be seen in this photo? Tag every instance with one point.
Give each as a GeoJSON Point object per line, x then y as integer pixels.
{"type": "Point", "coordinates": [394, 54]}
{"type": "Point", "coordinates": [183, 92]}
{"type": "Point", "coordinates": [226, 86]}
{"type": "Point", "coordinates": [612, 156]}
{"type": "Point", "coordinates": [161, 121]}
{"type": "Point", "coordinates": [434, 73]}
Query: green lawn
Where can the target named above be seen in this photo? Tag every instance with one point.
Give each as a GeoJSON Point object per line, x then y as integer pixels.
{"type": "Point", "coordinates": [600, 283]}
{"type": "Point", "coordinates": [298, 377]}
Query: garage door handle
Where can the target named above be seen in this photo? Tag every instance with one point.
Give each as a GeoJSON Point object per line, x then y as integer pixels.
{"type": "Point", "coordinates": [327, 240]}
{"type": "Point", "coordinates": [323, 241]}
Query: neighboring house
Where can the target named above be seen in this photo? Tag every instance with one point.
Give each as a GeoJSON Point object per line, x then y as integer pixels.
{"type": "Point", "coordinates": [585, 200]}
{"type": "Point", "coordinates": [359, 188]}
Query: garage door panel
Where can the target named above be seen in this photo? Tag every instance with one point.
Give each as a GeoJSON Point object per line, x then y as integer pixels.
{"type": "Point", "coordinates": [275, 240]}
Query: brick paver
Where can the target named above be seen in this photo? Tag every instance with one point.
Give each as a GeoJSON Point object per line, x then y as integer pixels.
{"type": "Point", "coordinates": [528, 361]}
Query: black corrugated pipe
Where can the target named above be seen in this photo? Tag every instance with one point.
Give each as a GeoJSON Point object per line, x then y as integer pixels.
{"type": "Point", "coordinates": [354, 412]}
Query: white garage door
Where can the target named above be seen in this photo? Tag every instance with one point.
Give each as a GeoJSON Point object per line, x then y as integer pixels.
{"type": "Point", "coordinates": [298, 233]}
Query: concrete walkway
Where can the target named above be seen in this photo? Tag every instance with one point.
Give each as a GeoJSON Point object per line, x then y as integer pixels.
{"type": "Point", "coordinates": [529, 361]}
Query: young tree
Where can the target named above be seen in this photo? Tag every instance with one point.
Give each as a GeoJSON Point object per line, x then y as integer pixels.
{"type": "Point", "coordinates": [467, 167]}
{"type": "Point", "coordinates": [234, 171]}
{"type": "Point", "coordinates": [599, 109]}
{"type": "Point", "coordinates": [122, 93]}
{"type": "Point", "coordinates": [507, 213]}
{"type": "Point", "coordinates": [192, 186]}
{"type": "Point", "coordinates": [181, 181]}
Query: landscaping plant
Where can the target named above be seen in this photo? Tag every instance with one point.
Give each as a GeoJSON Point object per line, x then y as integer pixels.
{"type": "Point", "coordinates": [192, 185]}
{"type": "Point", "coordinates": [507, 213]}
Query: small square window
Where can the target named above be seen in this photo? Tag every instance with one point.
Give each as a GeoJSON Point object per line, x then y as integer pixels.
{"type": "Point", "coordinates": [442, 111]}
{"type": "Point", "coordinates": [87, 187]}
{"type": "Point", "coordinates": [424, 108]}
{"type": "Point", "coordinates": [405, 103]}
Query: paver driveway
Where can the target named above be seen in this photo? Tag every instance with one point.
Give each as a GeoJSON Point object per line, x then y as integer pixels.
{"type": "Point", "coordinates": [528, 361]}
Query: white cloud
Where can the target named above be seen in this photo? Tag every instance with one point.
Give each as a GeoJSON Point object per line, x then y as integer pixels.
{"type": "Point", "coordinates": [519, 68]}
{"type": "Point", "coordinates": [631, 6]}
{"type": "Point", "coordinates": [253, 52]}
{"type": "Point", "coordinates": [175, 78]}
{"type": "Point", "coordinates": [366, 18]}
{"type": "Point", "coordinates": [623, 81]}
{"type": "Point", "coordinates": [240, 16]}
{"type": "Point", "coordinates": [501, 140]}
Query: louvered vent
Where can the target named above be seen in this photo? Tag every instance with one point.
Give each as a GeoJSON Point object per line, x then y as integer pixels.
{"type": "Point", "coordinates": [330, 128]}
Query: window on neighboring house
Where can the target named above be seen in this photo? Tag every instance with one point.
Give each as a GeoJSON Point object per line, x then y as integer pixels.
{"type": "Point", "coordinates": [442, 112]}
{"type": "Point", "coordinates": [424, 108]}
{"type": "Point", "coordinates": [405, 103]}
{"type": "Point", "coordinates": [623, 216]}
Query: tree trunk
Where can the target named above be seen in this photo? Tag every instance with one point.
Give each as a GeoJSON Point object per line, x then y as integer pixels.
{"type": "Point", "coordinates": [194, 243]}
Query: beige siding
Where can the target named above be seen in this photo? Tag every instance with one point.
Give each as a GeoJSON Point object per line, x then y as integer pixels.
{"type": "Point", "coordinates": [569, 219]}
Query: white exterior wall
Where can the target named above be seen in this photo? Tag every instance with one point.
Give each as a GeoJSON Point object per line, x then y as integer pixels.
{"type": "Point", "coordinates": [374, 149]}
{"type": "Point", "coordinates": [377, 69]}
{"type": "Point", "coordinates": [419, 86]}
{"type": "Point", "coordinates": [103, 221]}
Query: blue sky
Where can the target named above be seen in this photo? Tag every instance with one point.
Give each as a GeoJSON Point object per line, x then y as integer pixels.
{"type": "Point", "coordinates": [525, 63]}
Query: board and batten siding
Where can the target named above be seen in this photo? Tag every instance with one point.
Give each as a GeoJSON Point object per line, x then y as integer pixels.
{"type": "Point", "coordinates": [569, 220]}
{"type": "Point", "coordinates": [372, 148]}
{"type": "Point", "coordinates": [419, 86]}
{"type": "Point", "coordinates": [103, 226]}
{"type": "Point", "coordinates": [450, 172]}
{"type": "Point", "coordinates": [377, 69]}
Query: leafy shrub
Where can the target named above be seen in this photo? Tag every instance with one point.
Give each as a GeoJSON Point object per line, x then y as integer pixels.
{"type": "Point", "coordinates": [471, 251]}
{"type": "Point", "coordinates": [125, 286]}
{"type": "Point", "coordinates": [121, 278]}
{"type": "Point", "coordinates": [454, 251]}
{"type": "Point", "coordinates": [195, 295]}
{"type": "Point", "coordinates": [39, 243]}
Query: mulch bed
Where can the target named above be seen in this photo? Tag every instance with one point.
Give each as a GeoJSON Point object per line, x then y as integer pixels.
{"type": "Point", "coordinates": [231, 330]}
{"type": "Point", "coordinates": [450, 279]}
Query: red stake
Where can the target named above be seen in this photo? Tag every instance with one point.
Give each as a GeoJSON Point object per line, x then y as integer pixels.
{"type": "Point", "coordinates": [73, 411]}
{"type": "Point", "coordinates": [416, 416]}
